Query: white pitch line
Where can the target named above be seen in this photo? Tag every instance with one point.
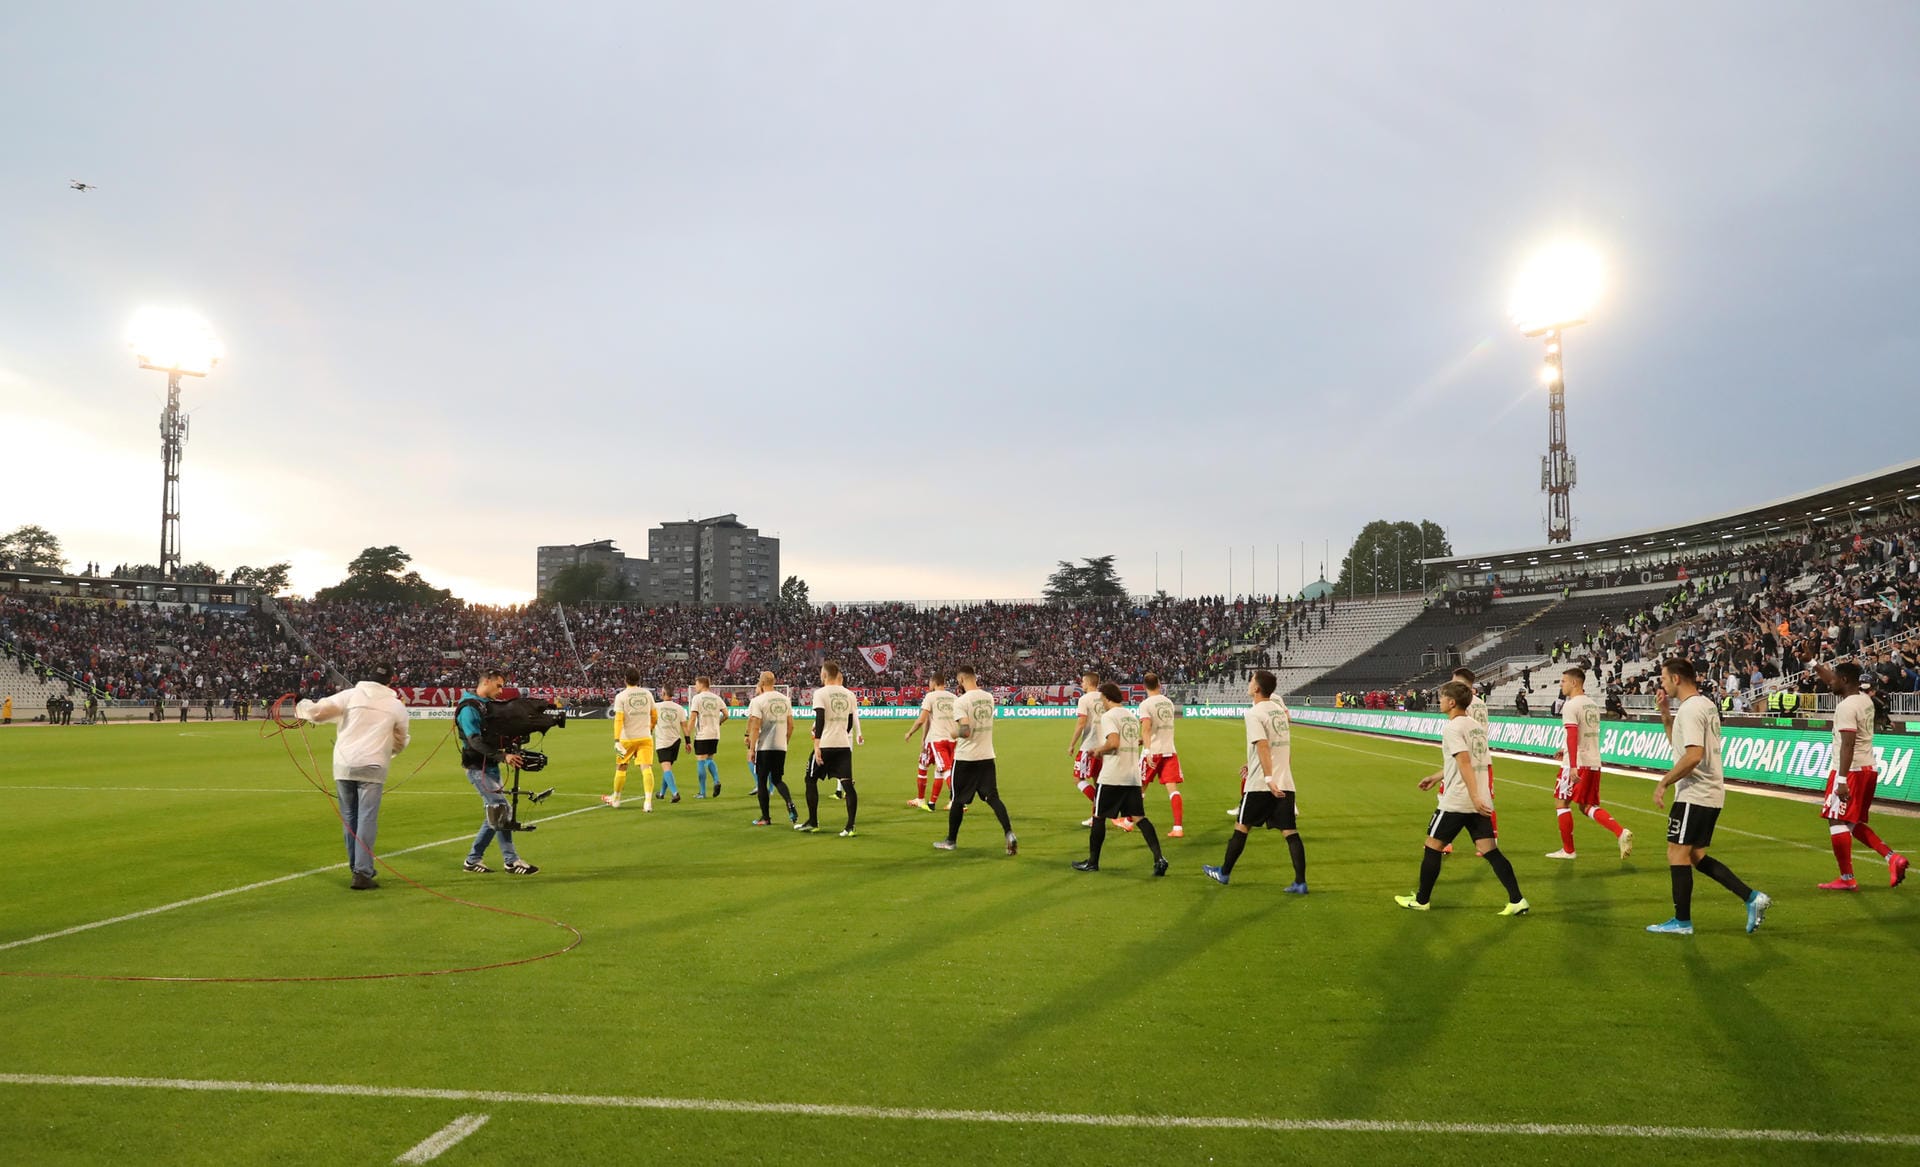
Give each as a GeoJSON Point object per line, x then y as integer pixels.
{"type": "Point", "coordinates": [437, 1144]}
{"type": "Point", "coordinates": [1016, 1117]}
{"type": "Point", "coordinates": [234, 891]}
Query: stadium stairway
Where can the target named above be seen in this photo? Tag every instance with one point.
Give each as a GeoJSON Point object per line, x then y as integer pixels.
{"type": "Point", "coordinates": [28, 691]}
{"type": "Point", "coordinates": [298, 637]}
{"type": "Point", "coordinates": [1353, 627]}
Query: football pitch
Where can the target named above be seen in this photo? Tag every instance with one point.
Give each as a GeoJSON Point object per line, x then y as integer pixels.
{"type": "Point", "coordinates": [744, 994]}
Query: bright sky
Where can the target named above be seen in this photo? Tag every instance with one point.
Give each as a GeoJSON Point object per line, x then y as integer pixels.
{"type": "Point", "coordinates": [942, 293]}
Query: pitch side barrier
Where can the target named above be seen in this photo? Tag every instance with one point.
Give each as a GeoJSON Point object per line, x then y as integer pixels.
{"type": "Point", "coordinates": [1793, 759]}
{"type": "Point", "coordinates": [867, 712]}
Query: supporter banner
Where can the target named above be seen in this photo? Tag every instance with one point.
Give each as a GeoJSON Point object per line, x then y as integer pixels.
{"type": "Point", "coordinates": [1792, 758]}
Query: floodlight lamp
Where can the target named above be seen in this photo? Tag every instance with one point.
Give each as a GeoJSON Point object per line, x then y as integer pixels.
{"type": "Point", "coordinates": [1556, 289]}
{"type": "Point", "coordinates": [1548, 374]}
{"type": "Point", "coordinates": [174, 340]}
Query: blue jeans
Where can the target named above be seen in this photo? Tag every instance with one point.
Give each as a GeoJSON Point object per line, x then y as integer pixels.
{"type": "Point", "coordinates": [492, 793]}
{"type": "Point", "coordinates": [359, 821]}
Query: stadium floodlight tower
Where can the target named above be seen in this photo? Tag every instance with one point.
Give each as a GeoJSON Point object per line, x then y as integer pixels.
{"type": "Point", "coordinates": [1556, 291]}
{"type": "Point", "coordinates": [180, 344]}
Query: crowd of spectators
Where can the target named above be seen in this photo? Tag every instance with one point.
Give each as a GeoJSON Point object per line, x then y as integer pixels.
{"type": "Point", "coordinates": [143, 652]}
{"type": "Point", "coordinates": [590, 647]}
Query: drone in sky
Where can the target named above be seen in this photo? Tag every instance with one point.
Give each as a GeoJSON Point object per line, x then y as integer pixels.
{"type": "Point", "coordinates": [76, 184]}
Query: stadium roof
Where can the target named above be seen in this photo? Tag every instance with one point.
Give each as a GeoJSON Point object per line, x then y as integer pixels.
{"type": "Point", "coordinates": [1865, 494]}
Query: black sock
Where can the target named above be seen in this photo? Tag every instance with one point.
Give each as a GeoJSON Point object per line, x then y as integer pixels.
{"type": "Point", "coordinates": [1000, 812]}
{"type": "Point", "coordinates": [1150, 835]}
{"type": "Point", "coordinates": [1682, 890]}
{"type": "Point", "coordinates": [1096, 838]}
{"type": "Point", "coordinates": [853, 802]}
{"type": "Point", "coordinates": [1298, 850]}
{"type": "Point", "coordinates": [813, 799]}
{"type": "Point", "coordinates": [954, 819]}
{"type": "Point", "coordinates": [1504, 869]}
{"type": "Point", "coordinates": [786, 795]}
{"type": "Point", "coordinates": [765, 791]}
{"type": "Point", "coordinates": [1723, 875]}
{"type": "Point", "coordinates": [1429, 872]}
{"type": "Point", "coordinates": [1236, 843]}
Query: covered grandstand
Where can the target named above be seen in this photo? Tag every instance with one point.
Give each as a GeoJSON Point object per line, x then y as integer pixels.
{"type": "Point", "coordinates": [1623, 601]}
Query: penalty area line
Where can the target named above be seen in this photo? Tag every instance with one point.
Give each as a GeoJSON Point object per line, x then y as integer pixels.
{"type": "Point", "coordinates": [443, 1140]}
{"type": "Point", "coordinates": [1008, 1117]}
{"type": "Point", "coordinates": [234, 891]}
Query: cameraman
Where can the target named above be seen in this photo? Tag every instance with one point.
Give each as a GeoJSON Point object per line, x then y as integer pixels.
{"type": "Point", "coordinates": [373, 728]}
{"type": "Point", "coordinates": [482, 762]}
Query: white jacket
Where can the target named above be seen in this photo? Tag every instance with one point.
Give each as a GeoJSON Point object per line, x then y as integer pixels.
{"type": "Point", "coordinates": [373, 728]}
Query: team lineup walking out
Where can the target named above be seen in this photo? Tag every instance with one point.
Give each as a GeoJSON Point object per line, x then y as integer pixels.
{"type": "Point", "coordinates": [1119, 752]}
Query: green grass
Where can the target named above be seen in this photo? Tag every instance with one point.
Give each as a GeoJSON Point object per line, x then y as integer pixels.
{"type": "Point", "coordinates": [726, 962]}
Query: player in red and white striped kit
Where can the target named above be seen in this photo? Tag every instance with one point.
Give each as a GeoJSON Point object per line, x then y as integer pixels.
{"type": "Point", "coordinates": [1159, 762]}
{"type": "Point", "coordinates": [1851, 782]}
{"type": "Point", "coordinates": [1579, 781]}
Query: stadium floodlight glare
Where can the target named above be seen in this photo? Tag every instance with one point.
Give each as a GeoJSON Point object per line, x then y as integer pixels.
{"type": "Point", "coordinates": [174, 340]}
{"type": "Point", "coordinates": [1556, 289]}
{"type": "Point", "coordinates": [179, 343]}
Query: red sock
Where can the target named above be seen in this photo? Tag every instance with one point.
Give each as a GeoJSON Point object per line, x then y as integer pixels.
{"type": "Point", "coordinates": [1865, 834]}
{"type": "Point", "coordinates": [1565, 815]}
{"type": "Point", "coordinates": [1604, 819]}
{"type": "Point", "coordinates": [937, 784]}
{"type": "Point", "coordinates": [922, 796]}
{"type": "Point", "coordinates": [1173, 797]}
{"type": "Point", "coordinates": [1843, 853]}
{"type": "Point", "coordinates": [1086, 788]}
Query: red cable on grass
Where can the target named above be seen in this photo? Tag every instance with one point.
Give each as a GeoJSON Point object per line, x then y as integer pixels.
{"type": "Point", "coordinates": [283, 728]}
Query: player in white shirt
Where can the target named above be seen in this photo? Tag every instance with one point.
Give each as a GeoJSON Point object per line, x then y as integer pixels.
{"type": "Point", "coordinates": [1700, 792]}
{"type": "Point", "coordinates": [1851, 779]}
{"type": "Point", "coordinates": [373, 728]}
{"type": "Point", "coordinates": [974, 773]}
{"type": "Point", "coordinates": [1579, 782]}
{"type": "Point", "coordinates": [1466, 803]}
{"type": "Point", "coordinates": [936, 751]}
{"type": "Point", "coordinates": [1086, 724]}
{"type": "Point", "coordinates": [1477, 709]}
{"type": "Point", "coordinates": [1117, 746]}
{"type": "Point", "coordinates": [633, 718]}
{"type": "Point", "coordinates": [1160, 761]}
{"type": "Point", "coordinates": [709, 713]}
{"type": "Point", "coordinates": [836, 730]}
{"type": "Point", "coordinates": [669, 729]}
{"type": "Point", "coordinates": [1267, 796]}
{"type": "Point", "coordinates": [769, 729]}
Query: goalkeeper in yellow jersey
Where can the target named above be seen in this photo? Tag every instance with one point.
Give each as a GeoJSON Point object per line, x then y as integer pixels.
{"type": "Point", "coordinates": [634, 716]}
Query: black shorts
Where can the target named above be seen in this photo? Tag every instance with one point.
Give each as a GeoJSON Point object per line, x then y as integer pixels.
{"type": "Point", "coordinates": [669, 754]}
{"type": "Point", "coordinates": [770, 766]}
{"type": "Point", "coordinates": [1120, 802]}
{"type": "Point", "coordinates": [835, 762]}
{"type": "Point", "coordinates": [1690, 825]}
{"type": "Point", "coordinates": [1448, 823]}
{"type": "Point", "coordinates": [1264, 808]}
{"type": "Point", "coordinates": [706, 747]}
{"type": "Point", "coordinates": [975, 778]}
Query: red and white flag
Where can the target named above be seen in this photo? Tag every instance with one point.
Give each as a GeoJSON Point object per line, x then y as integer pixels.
{"type": "Point", "coordinates": [878, 656]}
{"type": "Point", "coordinates": [736, 658]}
